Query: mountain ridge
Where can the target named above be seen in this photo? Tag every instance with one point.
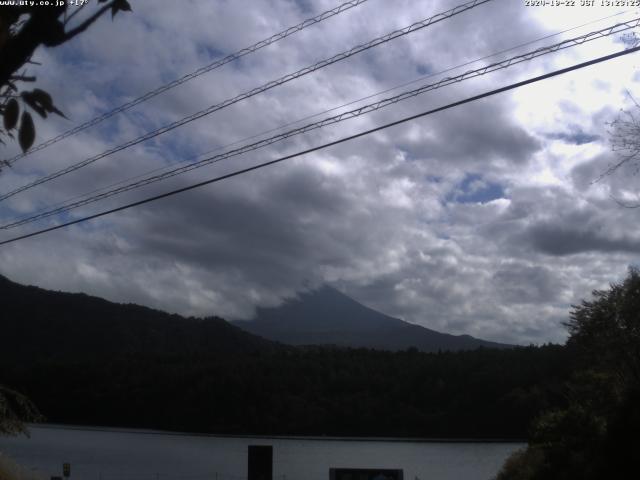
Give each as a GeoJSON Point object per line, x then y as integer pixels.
{"type": "Point", "coordinates": [325, 316]}
{"type": "Point", "coordinates": [47, 324]}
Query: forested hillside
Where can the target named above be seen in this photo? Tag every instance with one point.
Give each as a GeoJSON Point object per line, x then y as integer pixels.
{"type": "Point", "coordinates": [84, 360]}
{"type": "Point", "coordinates": [484, 393]}
{"type": "Point", "coordinates": [55, 326]}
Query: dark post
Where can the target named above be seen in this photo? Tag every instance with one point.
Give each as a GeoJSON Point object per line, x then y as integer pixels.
{"type": "Point", "coordinates": [260, 462]}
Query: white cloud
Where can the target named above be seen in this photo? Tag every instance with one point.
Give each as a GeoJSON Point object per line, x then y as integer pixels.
{"type": "Point", "coordinates": [377, 217]}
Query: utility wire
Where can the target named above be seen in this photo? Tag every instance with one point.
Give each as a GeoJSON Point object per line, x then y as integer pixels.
{"type": "Point", "coordinates": [330, 144]}
{"type": "Point", "coordinates": [207, 68]}
{"type": "Point", "coordinates": [267, 86]}
{"type": "Point", "coordinates": [334, 119]}
{"type": "Point", "coordinates": [308, 117]}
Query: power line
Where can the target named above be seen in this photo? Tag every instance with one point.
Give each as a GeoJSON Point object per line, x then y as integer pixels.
{"type": "Point", "coordinates": [330, 144]}
{"type": "Point", "coordinates": [267, 86]}
{"type": "Point", "coordinates": [617, 28]}
{"type": "Point", "coordinates": [308, 117]}
{"type": "Point", "coordinates": [190, 76]}
{"type": "Point", "coordinates": [335, 119]}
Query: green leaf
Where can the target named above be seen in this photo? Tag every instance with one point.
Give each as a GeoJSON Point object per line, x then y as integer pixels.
{"type": "Point", "coordinates": [27, 132]}
{"type": "Point", "coordinates": [11, 112]}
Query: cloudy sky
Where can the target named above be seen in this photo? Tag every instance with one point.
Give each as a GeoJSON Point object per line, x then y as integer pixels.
{"type": "Point", "coordinates": [484, 219]}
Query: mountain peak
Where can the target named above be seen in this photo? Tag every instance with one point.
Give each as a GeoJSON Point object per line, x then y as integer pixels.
{"type": "Point", "coordinates": [323, 309]}
{"type": "Point", "coordinates": [327, 316]}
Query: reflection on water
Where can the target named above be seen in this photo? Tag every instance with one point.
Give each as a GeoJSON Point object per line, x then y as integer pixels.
{"type": "Point", "coordinates": [143, 455]}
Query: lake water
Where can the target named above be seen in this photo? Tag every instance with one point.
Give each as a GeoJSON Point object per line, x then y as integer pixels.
{"type": "Point", "coordinates": [111, 454]}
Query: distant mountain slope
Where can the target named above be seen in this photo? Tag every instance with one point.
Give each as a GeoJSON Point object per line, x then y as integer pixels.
{"type": "Point", "coordinates": [326, 316]}
{"type": "Point", "coordinates": [43, 324]}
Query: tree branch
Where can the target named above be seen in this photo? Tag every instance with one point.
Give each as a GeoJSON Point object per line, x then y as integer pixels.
{"type": "Point", "coordinates": [78, 10]}
{"type": "Point", "coordinates": [23, 78]}
{"type": "Point", "coordinates": [87, 23]}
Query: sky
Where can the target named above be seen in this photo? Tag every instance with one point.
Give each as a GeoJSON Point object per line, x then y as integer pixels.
{"type": "Point", "coordinates": [485, 219]}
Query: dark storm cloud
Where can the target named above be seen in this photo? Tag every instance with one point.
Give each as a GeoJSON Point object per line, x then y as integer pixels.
{"type": "Point", "coordinates": [551, 221]}
{"type": "Point", "coordinates": [226, 227]}
{"type": "Point", "coordinates": [462, 221]}
{"type": "Point", "coordinates": [557, 239]}
{"type": "Point", "coordinates": [459, 135]}
{"type": "Point", "coordinates": [527, 284]}
{"type": "Point", "coordinates": [620, 184]}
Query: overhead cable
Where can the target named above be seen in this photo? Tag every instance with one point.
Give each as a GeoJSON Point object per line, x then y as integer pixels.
{"type": "Point", "coordinates": [326, 145]}
{"type": "Point", "coordinates": [317, 114]}
{"type": "Point", "coordinates": [620, 27]}
{"type": "Point", "coordinates": [267, 86]}
{"type": "Point", "coordinates": [190, 76]}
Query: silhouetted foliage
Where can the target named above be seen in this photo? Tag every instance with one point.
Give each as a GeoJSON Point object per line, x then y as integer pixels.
{"type": "Point", "coordinates": [596, 435]}
{"type": "Point", "coordinates": [15, 410]}
{"type": "Point", "coordinates": [624, 137]}
{"type": "Point", "coordinates": [524, 464]}
{"type": "Point", "coordinates": [606, 330]}
{"type": "Point", "coordinates": [23, 28]}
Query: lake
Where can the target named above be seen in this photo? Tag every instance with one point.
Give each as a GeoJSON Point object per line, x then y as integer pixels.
{"type": "Point", "coordinates": [114, 454]}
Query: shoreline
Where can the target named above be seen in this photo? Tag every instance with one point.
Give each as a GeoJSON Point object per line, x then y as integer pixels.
{"type": "Point", "coordinates": [142, 431]}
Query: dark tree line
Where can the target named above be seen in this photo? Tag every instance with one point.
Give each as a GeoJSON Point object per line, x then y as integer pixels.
{"type": "Point", "coordinates": [320, 391]}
